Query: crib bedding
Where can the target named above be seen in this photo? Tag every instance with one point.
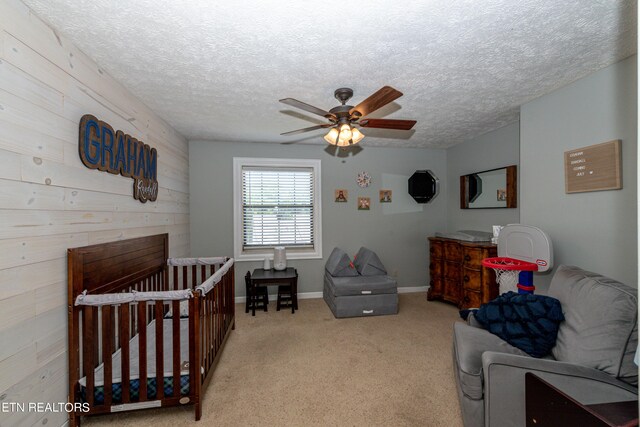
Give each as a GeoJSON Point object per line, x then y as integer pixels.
{"type": "Point", "coordinates": [134, 362]}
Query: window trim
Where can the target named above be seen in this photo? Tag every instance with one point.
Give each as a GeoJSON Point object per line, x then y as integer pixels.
{"type": "Point", "coordinates": [257, 254]}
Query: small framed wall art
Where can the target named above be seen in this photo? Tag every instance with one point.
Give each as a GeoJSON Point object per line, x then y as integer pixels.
{"type": "Point", "coordinates": [363, 179]}
{"type": "Point", "coordinates": [364, 203]}
{"type": "Point", "coordinates": [385, 196]}
{"type": "Point", "coordinates": [341, 195]}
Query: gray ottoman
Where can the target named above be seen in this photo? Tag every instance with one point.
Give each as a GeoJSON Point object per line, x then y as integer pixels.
{"type": "Point", "coordinates": [348, 293]}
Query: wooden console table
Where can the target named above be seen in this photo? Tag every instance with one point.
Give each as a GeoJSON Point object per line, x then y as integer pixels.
{"type": "Point", "coordinates": [546, 406]}
{"type": "Point", "coordinates": [289, 276]}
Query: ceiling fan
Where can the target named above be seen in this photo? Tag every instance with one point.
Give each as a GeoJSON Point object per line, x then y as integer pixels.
{"type": "Point", "coordinates": [344, 118]}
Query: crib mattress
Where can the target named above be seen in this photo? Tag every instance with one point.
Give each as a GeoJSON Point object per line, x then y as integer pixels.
{"type": "Point", "coordinates": [361, 305]}
{"type": "Point", "coordinates": [360, 285]}
{"type": "Point", "coordinates": [134, 365]}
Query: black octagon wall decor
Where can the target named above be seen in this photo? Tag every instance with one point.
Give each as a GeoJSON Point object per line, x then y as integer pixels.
{"type": "Point", "coordinates": [424, 186]}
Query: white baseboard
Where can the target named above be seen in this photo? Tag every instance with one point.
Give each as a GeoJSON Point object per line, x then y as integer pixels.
{"type": "Point", "coordinates": [412, 289]}
{"type": "Point", "coordinates": [314, 295]}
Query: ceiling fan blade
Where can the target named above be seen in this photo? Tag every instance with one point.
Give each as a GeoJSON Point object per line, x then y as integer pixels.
{"type": "Point", "coordinates": [295, 132]}
{"type": "Point", "coordinates": [306, 107]}
{"type": "Point", "coordinates": [379, 99]}
{"type": "Point", "coordinates": [387, 124]}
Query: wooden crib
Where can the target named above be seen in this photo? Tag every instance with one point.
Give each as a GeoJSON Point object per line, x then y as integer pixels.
{"type": "Point", "coordinates": [144, 330]}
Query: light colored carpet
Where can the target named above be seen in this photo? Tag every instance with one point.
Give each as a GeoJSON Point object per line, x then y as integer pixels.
{"type": "Point", "coordinates": [310, 368]}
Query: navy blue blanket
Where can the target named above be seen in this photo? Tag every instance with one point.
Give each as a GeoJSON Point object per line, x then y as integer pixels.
{"type": "Point", "coordinates": [526, 321]}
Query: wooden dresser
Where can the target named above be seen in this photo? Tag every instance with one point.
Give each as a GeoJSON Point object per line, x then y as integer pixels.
{"type": "Point", "coordinates": [456, 272]}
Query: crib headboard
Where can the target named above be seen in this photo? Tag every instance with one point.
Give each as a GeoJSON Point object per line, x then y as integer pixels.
{"type": "Point", "coordinates": [113, 266]}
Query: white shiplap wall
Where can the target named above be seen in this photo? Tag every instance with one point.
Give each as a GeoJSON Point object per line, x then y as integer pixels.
{"type": "Point", "coordinates": [49, 201]}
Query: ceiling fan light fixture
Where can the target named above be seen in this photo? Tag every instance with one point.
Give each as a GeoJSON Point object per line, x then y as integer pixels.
{"type": "Point", "coordinates": [345, 132]}
{"type": "Point", "coordinates": [341, 118]}
{"type": "Point", "coordinates": [332, 136]}
{"type": "Point", "coordinates": [356, 135]}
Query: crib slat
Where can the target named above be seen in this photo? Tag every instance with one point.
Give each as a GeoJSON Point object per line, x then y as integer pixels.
{"type": "Point", "coordinates": [124, 352]}
{"type": "Point", "coordinates": [107, 353]}
{"type": "Point", "coordinates": [176, 348]}
{"type": "Point", "coordinates": [142, 346]}
{"type": "Point", "coordinates": [159, 351]}
{"type": "Point", "coordinates": [175, 278]}
{"type": "Point", "coordinates": [206, 329]}
{"type": "Point", "coordinates": [87, 352]}
{"type": "Point", "coordinates": [194, 345]}
{"type": "Point", "coordinates": [194, 280]}
{"type": "Point", "coordinates": [185, 277]}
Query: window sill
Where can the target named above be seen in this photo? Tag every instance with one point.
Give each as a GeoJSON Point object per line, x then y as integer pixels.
{"type": "Point", "coordinates": [269, 254]}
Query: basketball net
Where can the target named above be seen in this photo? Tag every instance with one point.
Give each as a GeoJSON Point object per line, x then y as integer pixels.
{"type": "Point", "coordinates": [507, 279]}
{"type": "Point", "coordinates": [507, 272]}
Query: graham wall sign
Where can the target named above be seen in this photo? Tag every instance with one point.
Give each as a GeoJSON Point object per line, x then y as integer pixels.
{"type": "Point", "coordinates": [116, 152]}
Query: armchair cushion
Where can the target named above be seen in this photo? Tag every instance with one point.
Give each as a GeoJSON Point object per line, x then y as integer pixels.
{"type": "Point", "coordinates": [339, 264]}
{"type": "Point", "coordinates": [468, 345]}
{"type": "Point", "coordinates": [368, 264]}
{"type": "Point", "coordinates": [601, 322]}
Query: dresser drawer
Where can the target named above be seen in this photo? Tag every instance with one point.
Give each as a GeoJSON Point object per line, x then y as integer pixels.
{"type": "Point", "coordinates": [452, 251]}
{"type": "Point", "coordinates": [470, 299]}
{"type": "Point", "coordinates": [452, 271]}
{"type": "Point", "coordinates": [472, 257]}
{"type": "Point", "coordinates": [435, 268]}
{"type": "Point", "coordinates": [472, 279]}
{"type": "Point", "coordinates": [452, 291]}
{"type": "Point", "coordinates": [435, 288]}
{"type": "Point", "coordinates": [435, 249]}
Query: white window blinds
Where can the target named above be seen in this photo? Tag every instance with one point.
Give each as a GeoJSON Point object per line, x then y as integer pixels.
{"type": "Point", "coordinates": [277, 207]}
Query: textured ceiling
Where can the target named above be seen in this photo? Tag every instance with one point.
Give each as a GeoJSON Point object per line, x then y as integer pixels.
{"type": "Point", "coordinates": [216, 69]}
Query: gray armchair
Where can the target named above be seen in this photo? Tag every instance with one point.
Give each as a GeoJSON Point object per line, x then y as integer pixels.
{"type": "Point", "coordinates": [592, 360]}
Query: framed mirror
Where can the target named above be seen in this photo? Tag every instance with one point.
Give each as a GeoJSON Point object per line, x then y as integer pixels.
{"type": "Point", "coordinates": [490, 189]}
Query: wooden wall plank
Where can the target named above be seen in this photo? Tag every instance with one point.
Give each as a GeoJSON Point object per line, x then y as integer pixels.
{"type": "Point", "coordinates": [17, 366]}
{"type": "Point", "coordinates": [24, 113]}
{"type": "Point", "coordinates": [23, 195]}
{"type": "Point", "coordinates": [21, 84]}
{"type": "Point", "coordinates": [10, 165]}
{"type": "Point", "coordinates": [91, 200]}
{"type": "Point", "coordinates": [17, 309]}
{"type": "Point", "coordinates": [37, 66]}
{"type": "Point", "coordinates": [49, 201]}
{"type": "Point", "coordinates": [30, 250]}
{"type": "Point", "coordinates": [20, 335]}
{"type": "Point", "coordinates": [34, 223]}
{"type": "Point", "coordinates": [50, 297]}
{"type": "Point", "coordinates": [24, 140]}
{"type": "Point", "coordinates": [42, 171]}
{"type": "Point", "coordinates": [47, 383]}
{"type": "Point", "coordinates": [26, 278]}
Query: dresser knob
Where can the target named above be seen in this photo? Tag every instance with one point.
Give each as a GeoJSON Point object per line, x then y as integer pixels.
{"type": "Point", "coordinates": [467, 258]}
{"type": "Point", "coordinates": [466, 299]}
{"type": "Point", "coordinates": [466, 278]}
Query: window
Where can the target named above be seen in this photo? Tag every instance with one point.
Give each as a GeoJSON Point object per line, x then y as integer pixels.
{"type": "Point", "coordinates": [276, 203]}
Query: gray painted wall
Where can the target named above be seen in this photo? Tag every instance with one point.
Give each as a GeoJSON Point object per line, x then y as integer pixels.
{"type": "Point", "coordinates": [397, 231]}
{"type": "Point", "coordinates": [489, 151]}
{"type": "Point", "coordinates": [596, 230]}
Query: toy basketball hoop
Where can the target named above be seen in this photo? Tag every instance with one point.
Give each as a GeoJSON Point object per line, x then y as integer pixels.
{"type": "Point", "coordinates": [522, 249]}
{"type": "Point", "coordinates": [508, 273]}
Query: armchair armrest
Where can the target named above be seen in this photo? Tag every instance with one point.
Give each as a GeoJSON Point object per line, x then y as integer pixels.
{"type": "Point", "coordinates": [504, 385]}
